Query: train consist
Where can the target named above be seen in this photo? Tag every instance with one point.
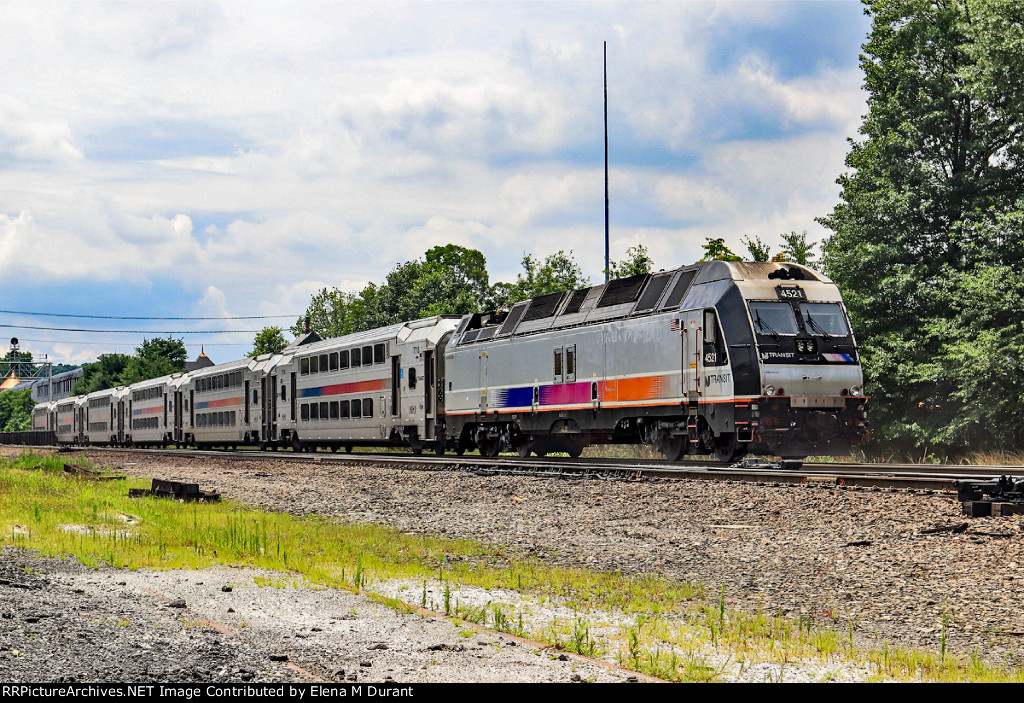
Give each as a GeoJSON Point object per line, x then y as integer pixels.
{"type": "Point", "coordinates": [719, 358]}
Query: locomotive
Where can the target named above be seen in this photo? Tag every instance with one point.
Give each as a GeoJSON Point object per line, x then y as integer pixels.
{"type": "Point", "coordinates": [719, 357]}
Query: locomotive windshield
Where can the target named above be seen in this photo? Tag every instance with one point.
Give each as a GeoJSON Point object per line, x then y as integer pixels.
{"type": "Point", "coordinates": [824, 319]}
{"type": "Point", "coordinates": [773, 318]}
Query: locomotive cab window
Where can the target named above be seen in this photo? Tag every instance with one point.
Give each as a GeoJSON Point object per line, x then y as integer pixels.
{"type": "Point", "coordinates": [824, 319]}
{"type": "Point", "coordinates": [714, 345]}
{"type": "Point", "coordinates": [773, 318]}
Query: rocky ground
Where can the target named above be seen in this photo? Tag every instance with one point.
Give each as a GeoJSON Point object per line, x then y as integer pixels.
{"type": "Point", "coordinates": [60, 622]}
{"type": "Point", "coordinates": [836, 554]}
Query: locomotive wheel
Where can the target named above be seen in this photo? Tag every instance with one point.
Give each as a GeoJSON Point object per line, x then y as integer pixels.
{"type": "Point", "coordinates": [574, 449]}
{"type": "Point", "coordinates": [524, 446]}
{"type": "Point", "coordinates": [490, 447]}
{"type": "Point", "coordinates": [673, 447]}
{"type": "Point", "coordinates": [460, 450]}
{"type": "Point", "coordinates": [263, 446]}
{"type": "Point", "coordinates": [439, 447]}
{"type": "Point", "coordinates": [727, 449]}
{"type": "Point", "coordinates": [348, 448]}
{"type": "Point", "coordinates": [417, 447]}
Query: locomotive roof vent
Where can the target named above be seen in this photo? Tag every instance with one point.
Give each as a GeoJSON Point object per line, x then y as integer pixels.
{"type": "Point", "coordinates": [792, 273]}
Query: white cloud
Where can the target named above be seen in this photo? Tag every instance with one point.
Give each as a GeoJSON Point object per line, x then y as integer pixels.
{"type": "Point", "coordinates": [251, 154]}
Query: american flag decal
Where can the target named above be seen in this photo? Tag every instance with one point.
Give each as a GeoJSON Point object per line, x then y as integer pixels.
{"type": "Point", "coordinates": [673, 325]}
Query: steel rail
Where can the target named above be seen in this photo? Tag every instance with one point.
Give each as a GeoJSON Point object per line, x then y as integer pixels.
{"type": "Point", "coordinates": [926, 477]}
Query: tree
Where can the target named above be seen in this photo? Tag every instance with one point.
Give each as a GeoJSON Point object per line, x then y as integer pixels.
{"type": "Point", "coordinates": [930, 206]}
{"type": "Point", "coordinates": [18, 363]}
{"type": "Point", "coordinates": [759, 251]}
{"type": "Point", "coordinates": [105, 372]}
{"type": "Point", "coordinates": [637, 262]}
{"type": "Point", "coordinates": [16, 411]}
{"type": "Point", "coordinates": [269, 340]}
{"type": "Point", "coordinates": [451, 280]}
{"type": "Point", "coordinates": [715, 249]}
{"type": "Point", "coordinates": [155, 358]}
{"type": "Point", "coordinates": [556, 272]}
{"type": "Point", "coordinates": [796, 249]}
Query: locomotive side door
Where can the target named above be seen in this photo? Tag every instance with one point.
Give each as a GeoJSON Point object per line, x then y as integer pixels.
{"type": "Point", "coordinates": [690, 328]}
{"type": "Point", "coordinates": [178, 416]}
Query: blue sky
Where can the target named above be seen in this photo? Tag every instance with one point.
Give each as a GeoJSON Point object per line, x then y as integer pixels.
{"type": "Point", "coordinates": [181, 159]}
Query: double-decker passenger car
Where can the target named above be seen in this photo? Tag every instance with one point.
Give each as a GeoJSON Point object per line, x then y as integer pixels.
{"type": "Point", "coordinates": [104, 417]}
{"type": "Point", "coordinates": [219, 406]}
{"type": "Point", "coordinates": [372, 388]}
{"type": "Point", "coordinates": [152, 411]}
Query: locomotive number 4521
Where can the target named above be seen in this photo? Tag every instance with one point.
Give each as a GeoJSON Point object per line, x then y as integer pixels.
{"type": "Point", "coordinates": [790, 293]}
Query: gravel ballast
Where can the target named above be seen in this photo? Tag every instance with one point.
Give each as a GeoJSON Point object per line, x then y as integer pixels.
{"type": "Point", "coordinates": [830, 553]}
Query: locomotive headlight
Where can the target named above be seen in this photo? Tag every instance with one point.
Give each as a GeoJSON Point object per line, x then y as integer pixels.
{"type": "Point", "coordinates": [855, 390]}
{"type": "Point", "coordinates": [800, 346]}
{"type": "Point", "coordinates": [769, 389]}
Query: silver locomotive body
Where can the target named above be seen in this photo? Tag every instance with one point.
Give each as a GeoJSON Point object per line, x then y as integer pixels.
{"type": "Point", "coordinates": [689, 360]}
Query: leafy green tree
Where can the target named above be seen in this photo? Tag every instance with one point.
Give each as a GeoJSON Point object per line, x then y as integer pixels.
{"type": "Point", "coordinates": [20, 365]}
{"type": "Point", "coordinates": [637, 261]}
{"type": "Point", "coordinates": [716, 249]}
{"type": "Point", "coordinates": [105, 372]}
{"type": "Point", "coordinates": [155, 358]}
{"type": "Point", "coordinates": [932, 205]}
{"type": "Point", "coordinates": [16, 411]}
{"type": "Point", "coordinates": [269, 340]}
{"type": "Point", "coordinates": [759, 251]}
{"type": "Point", "coordinates": [451, 280]}
{"type": "Point", "coordinates": [796, 249]}
{"type": "Point", "coordinates": [559, 271]}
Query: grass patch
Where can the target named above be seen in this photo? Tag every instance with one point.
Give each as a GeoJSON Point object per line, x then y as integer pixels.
{"type": "Point", "coordinates": [673, 630]}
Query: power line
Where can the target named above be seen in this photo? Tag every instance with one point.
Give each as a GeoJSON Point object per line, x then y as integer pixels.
{"type": "Point", "coordinates": [127, 317]}
{"type": "Point", "coordinates": [82, 329]}
{"type": "Point", "coordinates": [83, 343]}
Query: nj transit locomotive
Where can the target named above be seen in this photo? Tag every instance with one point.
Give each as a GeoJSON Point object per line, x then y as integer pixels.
{"type": "Point", "coordinates": [716, 358]}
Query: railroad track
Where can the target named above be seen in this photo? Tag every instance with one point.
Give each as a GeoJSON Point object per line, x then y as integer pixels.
{"type": "Point", "coordinates": [926, 477]}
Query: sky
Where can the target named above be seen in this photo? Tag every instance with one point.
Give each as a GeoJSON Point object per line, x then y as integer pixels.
{"type": "Point", "coordinates": [230, 159]}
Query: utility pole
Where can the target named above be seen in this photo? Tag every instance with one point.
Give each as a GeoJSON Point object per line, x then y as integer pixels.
{"type": "Point", "coordinates": [607, 265]}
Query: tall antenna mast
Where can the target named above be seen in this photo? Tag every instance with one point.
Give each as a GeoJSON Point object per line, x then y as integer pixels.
{"type": "Point", "coordinates": [607, 265]}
